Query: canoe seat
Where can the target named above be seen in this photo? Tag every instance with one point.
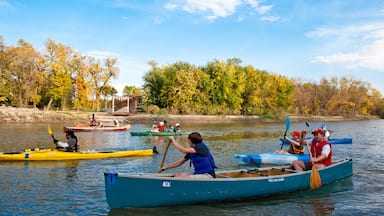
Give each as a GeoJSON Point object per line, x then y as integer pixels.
{"type": "Point", "coordinates": [222, 176]}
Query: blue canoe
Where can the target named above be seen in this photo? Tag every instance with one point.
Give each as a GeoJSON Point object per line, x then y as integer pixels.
{"type": "Point", "coordinates": [331, 140]}
{"type": "Point", "coordinates": [130, 190]}
{"type": "Point", "coordinates": [269, 158]}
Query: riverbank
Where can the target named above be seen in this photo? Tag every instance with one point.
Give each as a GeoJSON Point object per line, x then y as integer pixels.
{"type": "Point", "coordinates": [12, 114]}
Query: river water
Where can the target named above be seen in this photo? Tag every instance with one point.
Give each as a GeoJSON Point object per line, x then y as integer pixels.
{"type": "Point", "coordinates": [77, 187]}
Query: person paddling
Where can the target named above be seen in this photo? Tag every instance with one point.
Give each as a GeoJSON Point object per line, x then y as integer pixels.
{"type": "Point", "coordinates": [71, 145]}
{"type": "Point", "coordinates": [200, 157]}
{"type": "Point", "coordinates": [321, 151]}
{"type": "Point", "coordinates": [299, 139]}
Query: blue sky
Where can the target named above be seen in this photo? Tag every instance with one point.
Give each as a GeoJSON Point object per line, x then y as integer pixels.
{"type": "Point", "coordinates": [306, 39]}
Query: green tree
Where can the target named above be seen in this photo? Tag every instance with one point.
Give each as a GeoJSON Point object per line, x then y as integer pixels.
{"type": "Point", "coordinates": [132, 90]}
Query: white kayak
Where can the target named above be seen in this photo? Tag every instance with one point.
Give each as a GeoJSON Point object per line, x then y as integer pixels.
{"type": "Point", "coordinates": [269, 158]}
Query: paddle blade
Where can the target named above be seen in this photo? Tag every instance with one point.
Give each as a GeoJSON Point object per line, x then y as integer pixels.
{"type": "Point", "coordinates": [128, 126]}
{"type": "Point", "coordinates": [49, 130]}
{"type": "Point", "coordinates": [287, 125]}
{"type": "Point", "coordinates": [315, 180]}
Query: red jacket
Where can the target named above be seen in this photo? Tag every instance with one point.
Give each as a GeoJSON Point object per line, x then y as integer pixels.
{"type": "Point", "coordinates": [161, 128]}
{"type": "Point", "coordinates": [316, 151]}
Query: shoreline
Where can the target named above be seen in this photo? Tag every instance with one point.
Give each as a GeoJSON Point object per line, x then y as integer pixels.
{"type": "Point", "coordinates": [31, 115]}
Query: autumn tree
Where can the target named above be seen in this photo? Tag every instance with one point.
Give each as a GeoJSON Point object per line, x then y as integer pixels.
{"type": "Point", "coordinates": [101, 75]}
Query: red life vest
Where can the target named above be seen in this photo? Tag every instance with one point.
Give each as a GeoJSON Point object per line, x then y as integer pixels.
{"type": "Point", "coordinates": [316, 151]}
{"type": "Point", "coordinates": [161, 128]}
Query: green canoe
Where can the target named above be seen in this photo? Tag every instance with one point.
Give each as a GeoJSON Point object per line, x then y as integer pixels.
{"type": "Point", "coordinates": [161, 133]}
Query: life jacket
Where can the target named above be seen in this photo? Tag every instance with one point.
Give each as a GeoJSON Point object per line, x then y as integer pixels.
{"type": "Point", "coordinates": [316, 151]}
{"type": "Point", "coordinates": [160, 128]}
{"type": "Point", "coordinates": [203, 164]}
{"type": "Point", "coordinates": [293, 149]}
{"type": "Point", "coordinates": [93, 122]}
{"type": "Point", "coordinates": [72, 145]}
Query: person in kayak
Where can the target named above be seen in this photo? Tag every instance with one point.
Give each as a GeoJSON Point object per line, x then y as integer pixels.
{"type": "Point", "coordinates": [199, 155]}
{"type": "Point", "coordinates": [321, 151]}
{"type": "Point", "coordinates": [177, 128]}
{"type": "Point", "coordinates": [158, 128]}
{"type": "Point", "coordinates": [299, 139]}
{"type": "Point", "coordinates": [326, 133]}
{"type": "Point", "coordinates": [71, 145]}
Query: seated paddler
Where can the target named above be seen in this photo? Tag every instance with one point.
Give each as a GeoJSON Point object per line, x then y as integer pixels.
{"type": "Point", "coordinates": [71, 145]}
{"type": "Point", "coordinates": [199, 156]}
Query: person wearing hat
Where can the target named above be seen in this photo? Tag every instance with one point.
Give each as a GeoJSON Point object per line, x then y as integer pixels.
{"type": "Point", "coordinates": [71, 145]}
{"type": "Point", "coordinates": [296, 143]}
{"type": "Point", "coordinates": [326, 133]}
{"type": "Point", "coordinates": [321, 151]}
{"type": "Point", "coordinates": [177, 128]}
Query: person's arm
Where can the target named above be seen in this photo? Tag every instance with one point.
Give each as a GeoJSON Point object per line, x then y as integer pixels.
{"type": "Point", "coordinates": [181, 147]}
{"type": "Point", "coordinates": [62, 144]}
{"type": "Point", "coordinates": [324, 154]}
{"type": "Point", "coordinates": [173, 165]}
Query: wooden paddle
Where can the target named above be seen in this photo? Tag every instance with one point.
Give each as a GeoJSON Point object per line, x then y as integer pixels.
{"type": "Point", "coordinates": [315, 179]}
{"type": "Point", "coordinates": [287, 126]}
{"type": "Point", "coordinates": [165, 153]}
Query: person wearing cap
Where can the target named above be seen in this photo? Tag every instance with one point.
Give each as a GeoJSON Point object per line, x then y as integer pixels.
{"type": "Point", "coordinates": [71, 145]}
{"type": "Point", "coordinates": [296, 143]}
{"type": "Point", "coordinates": [321, 151]}
{"type": "Point", "coordinates": [199, 155]}
{"type": "Point", "coordinates": [177, 128]}
{"type": "Point", "coordinates": [326, 133]}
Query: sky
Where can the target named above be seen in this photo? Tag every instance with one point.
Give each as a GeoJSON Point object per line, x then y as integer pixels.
{"type": "Point", "coordinates": [301, 39]}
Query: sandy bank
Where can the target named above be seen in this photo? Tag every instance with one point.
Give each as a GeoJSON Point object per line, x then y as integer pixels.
{"type": "Point", "coordinates": [12, 114]}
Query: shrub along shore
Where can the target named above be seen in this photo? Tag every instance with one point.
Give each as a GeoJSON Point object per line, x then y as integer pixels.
{"type": "Point", "coordinates": [12, 114]}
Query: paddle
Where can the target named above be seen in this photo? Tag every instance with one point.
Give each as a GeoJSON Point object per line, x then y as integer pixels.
{"type": "Point", "coordinates": [315, 180]}
{"type": "Point", "coordinates": [287, 126]}
{"type": "Point", "coordinates": [51, 133]}
{"type": "Point", "coordinates": [165, 153]}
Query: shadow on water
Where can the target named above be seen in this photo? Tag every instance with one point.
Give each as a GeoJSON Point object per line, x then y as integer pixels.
{"type": "Point", "coordinates": [322, 201]}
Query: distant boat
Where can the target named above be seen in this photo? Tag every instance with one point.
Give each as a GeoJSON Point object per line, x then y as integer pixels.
{"type": "Point", "coordinates": [53, 154]}
{"type": "Point", "coordinates": [142, 190]}
{"type": "Point", "coordinates": [159, 133]}
{"type": "Point", "coordinates": [97, 128]}
{"type": "Point", "coordinates": [269, 158]}
{"type": "Point", "coordinates": [332, 140]}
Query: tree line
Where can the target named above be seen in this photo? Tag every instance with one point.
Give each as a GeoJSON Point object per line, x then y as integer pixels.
{"type": "Point", "coordinates": [57, 77]}
{"type": "Point", "coordinates": [226, 87]}
{"type": "Point", "coordinates": [62, 78]}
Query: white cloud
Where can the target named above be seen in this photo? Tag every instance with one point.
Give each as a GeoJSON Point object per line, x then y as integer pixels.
{"type": "Point", "coordinates": [270, 18]}
{"type": "Point", "coordinates": [362, 46]}
{"type": "Point", "coordinates": [213, 9]}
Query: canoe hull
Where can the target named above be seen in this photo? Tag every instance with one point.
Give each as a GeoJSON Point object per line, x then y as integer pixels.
{"type": "Point", "coordinates": [97, 129]}
{"type": "Point", "coordinates": [149, 133]}
{"type": "Point", "coordinates": [51, 154]}
{"type": "Point", "coordinates": [269, 158]}
{"type": "Point", "coordinates": [126, 190]}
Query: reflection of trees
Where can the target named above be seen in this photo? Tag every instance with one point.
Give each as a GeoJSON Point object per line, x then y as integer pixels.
{"type": "Point", "coordinates": [323, 206]}
{"type": "Point", "coordinates": [70, 169]}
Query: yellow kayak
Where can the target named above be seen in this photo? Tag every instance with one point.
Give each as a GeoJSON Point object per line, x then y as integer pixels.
{"type": "Point", "coordinates": [52, 154]}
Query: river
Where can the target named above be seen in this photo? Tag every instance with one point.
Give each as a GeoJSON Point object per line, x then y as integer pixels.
{"type": "Point", "coordinates": [77, 187]}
